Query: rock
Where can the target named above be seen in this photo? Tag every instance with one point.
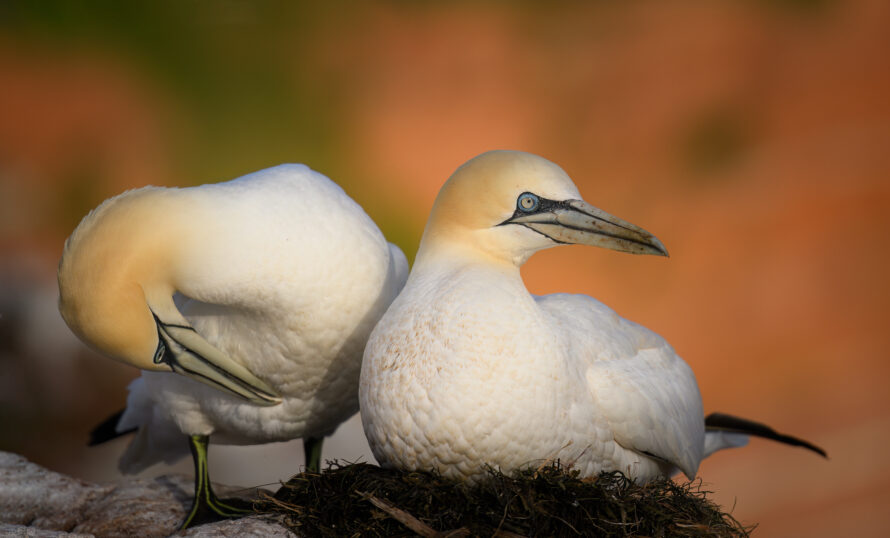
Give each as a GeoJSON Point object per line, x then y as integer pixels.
{"type": "Point", "coordinates": [36, 502]}
{"type": "Point", "coordinates": [248, 526]}
{"type": "Point", "coordinates": [9, 530]}
{"type": "Point", "coordinates": [35, 497]}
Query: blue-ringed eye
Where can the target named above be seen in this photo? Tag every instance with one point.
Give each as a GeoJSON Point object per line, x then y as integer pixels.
{"type": "Point", "coordinates": [527, 202]}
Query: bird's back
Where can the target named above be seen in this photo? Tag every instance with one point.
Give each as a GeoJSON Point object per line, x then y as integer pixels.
{"type": "Point", "coordinates": [279, 234]}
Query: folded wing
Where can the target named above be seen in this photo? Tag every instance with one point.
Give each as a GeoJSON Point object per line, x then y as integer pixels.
{"type": "Point", "coordinates": [644, 391]}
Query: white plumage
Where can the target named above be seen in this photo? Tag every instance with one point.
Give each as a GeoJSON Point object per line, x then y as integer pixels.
{"type": "Point", "coordinates": [289, 279]}
{"type": "Point", "coordinates": [468, 370]}
{"type": "Point", "coordinates": [262, 291]}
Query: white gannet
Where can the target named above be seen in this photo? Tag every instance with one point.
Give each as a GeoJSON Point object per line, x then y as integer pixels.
{"type": "Point", "coordinates": [467, 370]}
{"type": "Point", "coordinates": [278, 277]}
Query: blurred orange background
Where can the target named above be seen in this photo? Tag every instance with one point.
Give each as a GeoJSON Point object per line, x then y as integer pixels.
{"type": "Point", "coordinates": [751, 136]}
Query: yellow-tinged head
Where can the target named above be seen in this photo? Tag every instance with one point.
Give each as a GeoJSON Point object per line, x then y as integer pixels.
{"type": "Point", "coordinates": [116, 284]}
{"type": "Point", "coordinates": [115, 254]}
{"type": "Point", "coordinates": [505, 205]}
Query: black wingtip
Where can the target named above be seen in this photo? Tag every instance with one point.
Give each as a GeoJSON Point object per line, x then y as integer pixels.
{"type": "Point", "coordinates": [724, 422]}
{"type": "Point", "coordinates": [107, 430]}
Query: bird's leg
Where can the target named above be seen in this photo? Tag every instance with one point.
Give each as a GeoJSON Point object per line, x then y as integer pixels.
{"type": "Point", "coordinates": [206, 506]}
{"type": "Point", "coordinates": [312, 448]}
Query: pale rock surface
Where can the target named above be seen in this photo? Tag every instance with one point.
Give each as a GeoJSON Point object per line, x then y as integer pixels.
{"type": "Point", "coordinates": [38, 503]}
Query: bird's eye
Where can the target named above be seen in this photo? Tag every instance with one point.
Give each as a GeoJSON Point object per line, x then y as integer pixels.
{"type": "Point", "coordinates": [527, 202]}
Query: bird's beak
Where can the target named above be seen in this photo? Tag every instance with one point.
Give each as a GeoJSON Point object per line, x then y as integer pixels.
{"type": "Point", "coordinates": [577, 222]}
{"type": "Point", "coordinates": [186, 352]}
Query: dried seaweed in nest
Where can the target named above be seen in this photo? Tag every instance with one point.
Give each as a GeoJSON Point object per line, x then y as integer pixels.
{"type": "Point", "coordinates": [366, 500]}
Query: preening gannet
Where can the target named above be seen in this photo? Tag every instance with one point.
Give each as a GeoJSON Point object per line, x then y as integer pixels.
{"type": "Point", "coordinates": [467, 370]}
{"type": "Point", "coordinates": [259, 293]}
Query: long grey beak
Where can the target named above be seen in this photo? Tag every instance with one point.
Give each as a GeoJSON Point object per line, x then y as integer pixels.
{"type": "Point", "coordinates": [577, 222]}
{"type": "Point", "coordinates": [186, 352]}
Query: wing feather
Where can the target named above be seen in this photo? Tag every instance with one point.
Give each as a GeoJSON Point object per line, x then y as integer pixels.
{"type": "Point", "coordinates": [645, 392]}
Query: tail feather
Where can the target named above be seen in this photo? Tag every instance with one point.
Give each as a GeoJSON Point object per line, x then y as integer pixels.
{"type": "Point", "coordinates": [718, 440]}
{"type": "Point", "coordinates": [159, 441]}
{"type": "Point", "coordinates": [720, 422]}
{"type": "Point", "coordinates": [107, 430]}
{"type": "Point", "coordinates": [157, 437]}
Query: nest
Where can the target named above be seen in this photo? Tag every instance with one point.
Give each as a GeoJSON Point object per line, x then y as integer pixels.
{"type": "Point", "coordinates": [366, 500]}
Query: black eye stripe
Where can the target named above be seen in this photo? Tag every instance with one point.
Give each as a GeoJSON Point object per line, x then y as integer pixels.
{"type": "Point", "coordinates": [543, 205]}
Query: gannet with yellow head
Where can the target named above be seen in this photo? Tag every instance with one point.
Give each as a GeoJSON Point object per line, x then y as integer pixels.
{"type": "Point", "coordinates": [248, 303]}
{"type": "Point", "coordinates": [467, 370]}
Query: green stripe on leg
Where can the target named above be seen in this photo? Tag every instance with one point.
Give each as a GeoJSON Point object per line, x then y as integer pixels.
{"type": "Point", "coordinates": [206, 506]}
